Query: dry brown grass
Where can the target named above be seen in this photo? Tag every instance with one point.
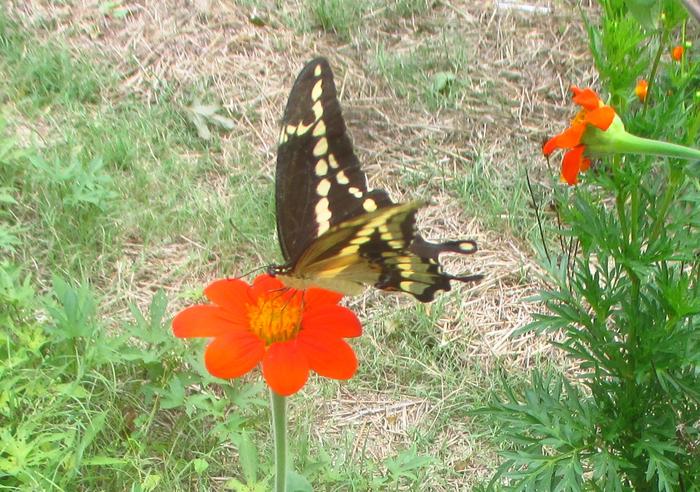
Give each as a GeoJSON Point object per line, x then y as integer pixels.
{"type": "Point", "coordinates": [521, 66]}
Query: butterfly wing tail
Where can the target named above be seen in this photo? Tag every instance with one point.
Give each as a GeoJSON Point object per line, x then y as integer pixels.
{"type": "Point", "coordinates": [426, 249]}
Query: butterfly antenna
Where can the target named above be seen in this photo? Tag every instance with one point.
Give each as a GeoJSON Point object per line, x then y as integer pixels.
{"type": "Point", "coordinates": [250, 272]}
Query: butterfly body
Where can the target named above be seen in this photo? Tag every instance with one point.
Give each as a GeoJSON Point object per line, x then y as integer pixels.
{"type": "Point", "coordinates": [334, 232]}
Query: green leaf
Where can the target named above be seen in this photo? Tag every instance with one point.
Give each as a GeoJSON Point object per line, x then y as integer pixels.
{"type": "Point", "coordinates": [248, 455]}
{"type": "Point", "coordinates": [175, 396]}
{"type": "Point", "coordinates": [297, 483]}
{"type": "Point", "coordinates": [201, 115]}
{"type": "Point", "coordinates": [200, 465]}
{"type": "Point", "coordinates": [151, 482]}
{"type": "Point", "coordinates": [646, 12]}
{"type": "Point", "coordinates": [443, 82]}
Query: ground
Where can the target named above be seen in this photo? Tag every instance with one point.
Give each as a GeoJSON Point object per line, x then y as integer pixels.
{"type": "Point", "coordinates": [444, 100]}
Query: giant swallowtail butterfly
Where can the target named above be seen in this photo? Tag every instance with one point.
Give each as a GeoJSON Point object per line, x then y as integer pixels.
{"type": "Point", "coordinates": [335, 233]}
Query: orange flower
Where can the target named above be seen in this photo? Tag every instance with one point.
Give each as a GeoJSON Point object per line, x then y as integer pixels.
{"type": "Point", "coordinates": [641, 90]}
{"type": "Point", "coordinates": [289, 331]}
{"type": "Point", "coordinates": [593, 115]}
{"type": "Point", "coordinates": [677, 52]}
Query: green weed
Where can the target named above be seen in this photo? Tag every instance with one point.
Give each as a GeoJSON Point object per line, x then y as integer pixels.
{"type": "Point", "coordinates": [503, 202]}
{"type": "Point", "coordinates": [434, 73]}
{"type": "Point", "coordinates": [408, 8]}
{"type": "Point", "coordinates": [623, 301]}
{"type": "Point", "coordinates": [338, 16]}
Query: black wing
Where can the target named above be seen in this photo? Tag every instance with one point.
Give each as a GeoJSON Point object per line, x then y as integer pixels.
{"type": "Point", "coordinates": [319, 181]}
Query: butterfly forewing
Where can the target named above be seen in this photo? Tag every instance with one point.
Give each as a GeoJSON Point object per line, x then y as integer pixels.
{"type": "Point", "coordinates": [319, 181]}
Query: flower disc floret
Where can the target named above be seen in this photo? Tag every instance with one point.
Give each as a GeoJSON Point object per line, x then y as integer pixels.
{"type": "Point", "coordinates": [274, 319]}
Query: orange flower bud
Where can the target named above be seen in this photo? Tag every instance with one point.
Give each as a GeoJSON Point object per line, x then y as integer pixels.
{"type": "Point", "coordinates": [641, 90]}
{"type": "Point", "coordinates": [677, 52]}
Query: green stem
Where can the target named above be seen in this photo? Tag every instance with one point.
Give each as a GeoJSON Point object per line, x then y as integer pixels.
{"type": "Point", "coordinates": [279, 427]}
{"type": "Point", "coordinates": [620, 199]}
{"type": "Point", "coordinates": [660, 219]}
{"type": "Point", "coordinates": [632, 144]}
{"type": "Point", "coordinates": [634, 217]}
{"type": "Point", "coordinates": [654, 68]}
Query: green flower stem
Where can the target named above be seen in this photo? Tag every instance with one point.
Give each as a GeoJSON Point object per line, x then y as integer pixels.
{"type": "Point", "coordinates": [675, 179]}
{"type": "Point", "coordinates": [279, 427]}
{"type": "Point", "coordinates": [626, 143]}
{"type": "Point", "coordinates": [652, 75]}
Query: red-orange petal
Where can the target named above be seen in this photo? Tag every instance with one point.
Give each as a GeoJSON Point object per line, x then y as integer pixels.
{"type": "Point", "coordinates": [571, 164]}
{"type": "Point", "coordinates": [203, 320]}
{"type": "Point", "coordinates": [231, 294]}
{"type": "Point", "coordinates": [550, 146]}
{"type": "Point", "coordinates": [285, 367]}
{"type": "Point", "coordinates": [586, 98]}
{"type": "Point", "coordinates": [601, 118]}
{"type": "Point", "coordinates": [233, 354]}
{"type": "Point", "coordinates": [329, 357]}
{"type": "Point", "coordinates": [267, 284]}
{"type": "Point", "coordinates": [569, 138]}
{"type": "Point", "coordinates": [585, 163]}
{"type": "Point", "coordinates": [315, 297]}
{"type": "Point", "coordinates": [334, 321]}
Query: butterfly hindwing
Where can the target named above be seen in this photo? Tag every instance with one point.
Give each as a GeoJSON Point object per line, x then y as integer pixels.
{"type": "Point", "coordinates": [353, 252]}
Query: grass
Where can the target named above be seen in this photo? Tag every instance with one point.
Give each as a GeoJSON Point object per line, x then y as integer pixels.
{"type": "Point", "coordinates": [505, 201]}
{"type": "Point", "coordinates": [432, 73]}
{"type": "Point", "coordinates": [337, 16]}
{"type": "Point", "coordinates": [115, 214]}
{"type": "Point", "coordinates": [109, 173]}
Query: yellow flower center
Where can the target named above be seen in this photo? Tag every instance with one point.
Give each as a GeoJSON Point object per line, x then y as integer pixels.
{"type": "Point", "coordinates": [579, 118]}
{"type": "Point", "coordinates": [275, 318]}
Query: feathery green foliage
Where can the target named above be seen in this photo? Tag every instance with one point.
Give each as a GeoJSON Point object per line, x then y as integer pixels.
{"type": "Point", "coordinates": [627, 302]}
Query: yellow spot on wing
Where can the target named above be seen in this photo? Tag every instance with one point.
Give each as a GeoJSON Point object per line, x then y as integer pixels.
{"type": "Point", "coordinates": [321, 167]}
{"type": "Point", "coordinates": [321, 147]}
{"type": "Point", "coordinates": [412, 287]}
{"type": "Point", "coordinates": [318, 110]}
{"type": "Point", "coordinates": [332, 161]}
{"type": "Point", "coordinates": [302, 128]}
{"type": "Point", "coordinates": [323, 186]}
{"type": "Point", "coordinates": [369, 205]}
{"type": "Point", "coordinates": [356, 192]}
{"type": "Point", "coordinates": [323, 215]}
{"type": "Point", "coordinates": [406, 285]}
{"type": "Point", "coordinates": [319, 129]}
{"type": "Point", "coordinates": [291, 129]}
{"type": "Point", "coordinates": [317, 70]}
{"type": "Point", "coordinates": [349, 250]}
{"type": "Point", "coordinates": [342, 178]}
{"type": "Point", "coordinates": [317, 90]}
{"type": "Point", "coordinates": [360, 240]}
